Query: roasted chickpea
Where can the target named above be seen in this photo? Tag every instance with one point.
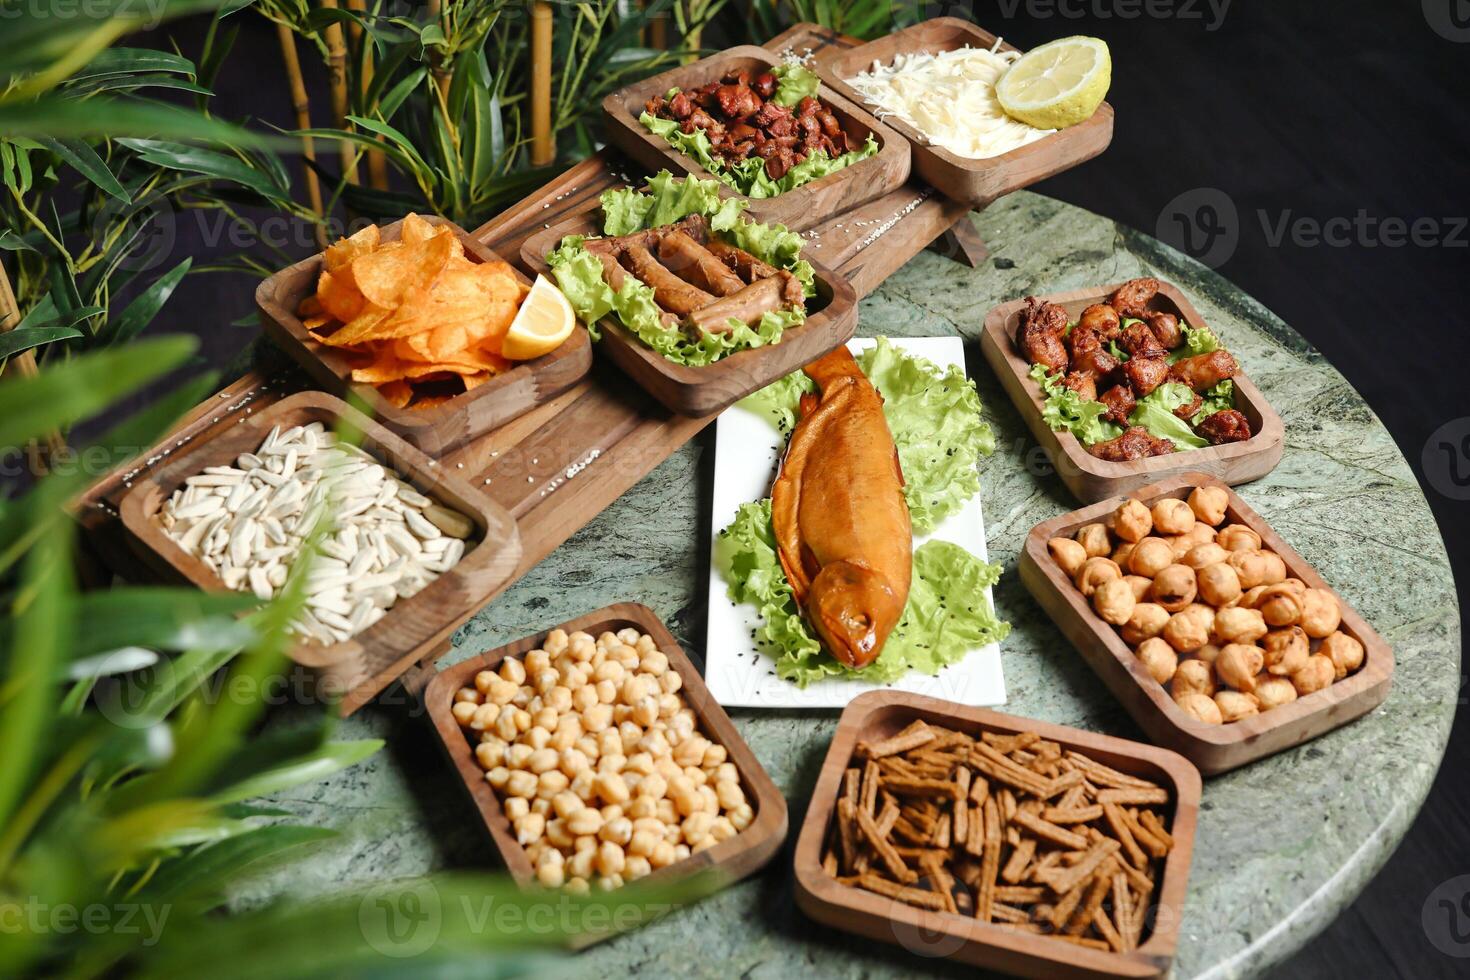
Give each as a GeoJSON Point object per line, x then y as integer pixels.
{"type": "Point", "coordinates": [1193, 677]}
{"type": "Point", "coordinates": [1238, 537]}
{"type": "Point", "coordinates": [1201, 708]}
{"type": "Point", "coordinates": [1280, 605]}
{"type": "Point", "coordinates": [1121, 553]}
{"type": "Point", "coordinates": [1208, 653]}
{"type": "Point", "coordinates": [1159, 659]}
{"type": "Point", "coordinates": [1286, 651]}
{"type": "Point", "coordinates": [1132, 521]}
{"type": "Point", "coordinates": [1140, 585]}
{"type": "Point", "coordinates": [1150, 557]}
{"type": "Point", "coordinates": [1257, 568]}
{"type": "Point", "coordinates": [1235, 705]}
{"type": "Point", "coordinates": [1174, 587]}
{"type": "Point", "coordinates": [1068, 554]}
{"type": "Point", "coordinates": [1147, 622]}
{"type": "Point", "coordinates": [1094, 572]}
{"type": "Point", "coordinates": [1320, 613]}
{"type": "Point", "coordinates": [1179, 545]}
{"type": "Point", "coordinates": [1189, 629]}
{"type": "Point", "coordinates": [1208, 504]}
{"type": "Point", "coordinates": [1218, 584]}
{"type": "Point", "coordinates": [1239, 665]}
{"type": "Point", "coordinates": [1094, 537]}
{"type": "Point", "coordinates": [1314, 675]}
{"type": "Point", "coordinates": [1113, 601]}
{"type": "Point", "coordinates": [1273, 692]}
{"type": "Point", "coordinates": [1172, 516]}
{"type": "Point", "coordinates": [1205, 555]}
{"type": "Point", "coordinates": [1345, 653]}
{"type": "Point", "coordinates": [1237, 625]}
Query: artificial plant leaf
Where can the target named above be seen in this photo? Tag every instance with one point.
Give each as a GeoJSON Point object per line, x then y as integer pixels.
{"type": "Point", "coordinates": [141, 311]}
{"type": "Point", "coordinates": [19, 340]}
{"type": "Point", "coordinates": [318, 765]}
{"type": "Point", "coordinates": [86, 162]}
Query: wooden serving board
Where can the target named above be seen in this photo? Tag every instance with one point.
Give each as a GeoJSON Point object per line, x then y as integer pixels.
{"type": "Point", "coordinates": [1090, 478]}
{"type": "Point", "coordinates": [1214, 748]}
{"type": "Point", "coordinates": [880, 714]}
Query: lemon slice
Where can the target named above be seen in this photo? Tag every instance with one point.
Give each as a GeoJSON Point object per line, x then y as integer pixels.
{"type": "Point", "coordinates": [542, 324]}
{"type": "Point", "coordinates": [1059, 84]}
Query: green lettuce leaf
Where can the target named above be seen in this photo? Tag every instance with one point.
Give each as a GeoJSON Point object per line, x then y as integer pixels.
{"type": "Point", "coordinates": [796, 82]}
{"type": "Point", "coordinates": [749, 176]}
{"type": "Point", "coordinates": [667, 200]}
{"type": "Point", "coordinates": [778, 400]}
{"type": "Point", "coordinates": [1156, 414]}
{"type": "Point", "coordinates": [1064, 409]}
{"type": "Point", "coordinates": [1217, 399]}
{"type": "Point", "coordinates": [1200, 340]}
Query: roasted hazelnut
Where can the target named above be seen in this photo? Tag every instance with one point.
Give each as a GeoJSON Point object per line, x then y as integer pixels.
{"type": "Point", "coordinates": [1320, 613]}
{"type": "Point", "coordinates": [1147, 622]}
{"type": "Point", "coordinates": [1174, 587]}
{"type": "Point", "coordinates": [1201, 708]}
{"type": "Point", "coordinates": [1235, 705]}
{"type": "Point", "coordinates": [1193, 677]}
{"type": "Point", "coordinates": [1205, 555]}
{"type": "Point", "coordinates": [1172, 516]}
{"type": "Point", "coordinates": [1150, 557]}
{"type": "Point", "coordinates": [1239, 664]}
{"type": "Point", "coordinates": [1257, 568]}
{"type": "Point", "coordinates": [1345, 653]}
{"type": "Point", "coordinates": [1273, 692]}
{"type": "Point", "coordinates": [1280, 605]}
{"type": "Point", "coordinates": [1237, 625]}
{"type": "Point", "coordinates": [1094, 537]}
{"type": "Point", "coordinates": [1286, 651]}
{"type": "Point", "coordinates": [1094, 572]}
{"type": "Point", "coordinates": [1068, 554]}
{"type": "Point", "coordinates": [1121, 553]}
{"type": "Point", "coordinates": [1141, 586]}
{"type": "Point", "coordinates": [1218, 584]}
{"type": "Point", "coordinates": [1132, 521]}
{"type": "Point", "coordinates": [1113, 601]}
{"type": "Point", "coordinates": [1208, 504]}
{"type": "Point", "coordinates": [1238, 537]}
{"type": "Point", "coordinates": [1159, 659]}
{"type": "Point", "coordinates": [1313, 675]}
{"type": "Point", "coordinates": [1189, 629]}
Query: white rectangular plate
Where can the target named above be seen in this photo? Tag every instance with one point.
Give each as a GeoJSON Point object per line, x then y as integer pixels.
{"type": "Point", "coordinates": [747, 451]}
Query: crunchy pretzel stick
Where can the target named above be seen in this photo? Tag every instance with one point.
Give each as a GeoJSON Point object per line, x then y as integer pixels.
{"type": "Point", "coordinates": [1134, 797]}
{"type": "Point", "coordinates": [921, 787]}
{"type": "Point", "coordinates": [913, 896]}
{"type": "Point", "coordinates": [1015, 868]}
{"type": "Point", "coordinates": [1101, 882]}
{"type": "Point", "coordinates": [1099, 773]}
{"type": "Point", "coordinates": [1145, 838]}
{"type": "Point", "coordinates": [1008, 913]}
{"type": "Point", "coordinates": [1155, 826]}
{"type": "Point", "coordinates": [1059, 815]}
{"type": "Point", "coordinates": [961, 822]}
{"type": "Point", "coordinates": [1122, 910]}
{"type": "Point", "coordinates": [1067, 880]}
{"type": "Point", "coordinates": [1109, 932]}
{"type": "Point", "coordinates": [911, 737]}
{"type": "Point", "coordinates": [989, 863]}
{"type": "Point", "coordinates": [868, 798]}
{"type": "Point", "coordinates": [1119, 823]}
{"type": "Point", "coordinates": [900, 871]}
{"type": "Point", "coordinates": [847, 832]}
{"type": "Point", "coordinates": [1020, 894]}
{"type": "Point", "coordinates": [975, 839]}
{"type": "Point", "coordinates": [1050, 831]}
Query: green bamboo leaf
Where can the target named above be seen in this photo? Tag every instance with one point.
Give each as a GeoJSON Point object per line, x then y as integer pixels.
{"type": "Point", "coordinates": [318, 765]}
{"type": "Point", "coordinates": [18, 340]}
{"type": "Point", "coordinates": [141, 311]}
{"type": "Point", "coordinates": [401, 91]}
{"type": "Point", "coordinates": [133, 83]}
{"type": "Point", "coordinates": [163, 618]}
{"type": "Point", "coordinates": [83, 386]}
{"type": "Point", "coordinates": [44, 314]}
{"type": "Point", "coordinates": [11, 242]}
{"type": "Point", "coordinates": [206, 872]}
{"type": "Point", "coordinates": [129, 61]}
{"type": "Point", "coordinates": [101, 116]}
{"type": "Point", "coordinates": [87, 163]}
{"type": "Point", "coordinates": [193, 159]}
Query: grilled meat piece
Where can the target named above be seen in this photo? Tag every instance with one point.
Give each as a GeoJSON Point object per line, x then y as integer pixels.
{"type": "Point", "coordinates": [1101, 318]}
{"type": "Point", "coordinates": [1133, 297]}
{"type": "Point", "coordinates": [745, 265]}
{"type": "Point", "coordinates": [1049, 315]}
{"type": "Point", "coordinates": [1083, 384]}
{"type": "Point", "coordinates": [1120, 402]}
{"type": "Point", "coordinates": [1136, 443]}
{"type": "Point", "coordinates": [1144, 374]}
{"type": "Point", "coordinates": [1042, 346]}
{"type": "Point", "coordinates": [737, 101]}
{"type": "Point", "coordinates": [1097, 363]}
{"type": "Point", "coordinates": [1189, 411]}
{"type": "Point", "coordinates": [694, 263]}
{"type": "Point", "coordinates": [1165, 327]}
{"type": "Point", "coordinates": [1139, 341]}
{"type": "Point", "coordinates": [1203, 371]}
{"type": "Point", "coordinates": [765, 85]}
{"type": "Point", "coordinates": [669, 291]}
{"type": "Point", "coordinates": [748, 306]}
{"type": "Point", "coordinates": [1225, 426]}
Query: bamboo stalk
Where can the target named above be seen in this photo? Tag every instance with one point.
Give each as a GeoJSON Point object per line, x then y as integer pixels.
{"type": "Point", "coordinates": [543, 145]}
{"type": "Point", "coordinates": [301, 104]}
{"type": "Point", "coordinates": [377, 162]}
{"type": "Point", "coordinates": [441, 74]}
{"type": "Point", "coordinates": [658, 33]}
{"type": "Point", "coordinates": [24, 364]}
{"type": "Point", "coordinates": [337, 79]}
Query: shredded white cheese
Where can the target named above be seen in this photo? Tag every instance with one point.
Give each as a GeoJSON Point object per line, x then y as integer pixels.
{"type": "Point", "coordinates": [950, 98]}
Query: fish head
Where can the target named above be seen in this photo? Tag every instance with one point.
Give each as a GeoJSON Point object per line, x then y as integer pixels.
{"type": "Point", "coordinates": [853, 609]}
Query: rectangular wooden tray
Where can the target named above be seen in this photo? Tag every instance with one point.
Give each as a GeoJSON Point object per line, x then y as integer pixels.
{"type": "Point", "coordinates": [973, 182]}
{"type": "Point", "coordinates": [710, 389]}
{"type": "Point", "coordinates": [731, 859]}
{"type": "Point", "coordinates": [879, 714]}
{"type": "Point", "coordinates": [1214, 748]}
{"type": "Point", "coordinates": [443, 427]}
{"type": "Point", "coordinates": [413, 626]}
{"type": "Point", "coordinates": [798, 209]}
{"type": "Point", "coordinates": [1090, 478]}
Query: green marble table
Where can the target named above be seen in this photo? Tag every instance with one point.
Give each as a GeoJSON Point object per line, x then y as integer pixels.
{"type": "Point", "coordinates": [1283, 845]}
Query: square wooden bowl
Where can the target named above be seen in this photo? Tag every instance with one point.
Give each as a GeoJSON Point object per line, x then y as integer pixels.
{"type": "Point", "coordinates": [413, 626]}
{"type": "Point", "coordinates": [1214, 748]}
{"type": "Point", "coordinates": [803, 207]}
{"type": "Point", "coordinates": [441, 428]}
{"type": "Point", "coordinates": [879, 714]}
{"type": "Point", "coordinates": [1090, 478]}
{"type": "Point", "coordinates": [731, 859]}
{"type": "Point", "coordinates": [700, 391]}
{"type": "Point", "coordinates": [974, 182]}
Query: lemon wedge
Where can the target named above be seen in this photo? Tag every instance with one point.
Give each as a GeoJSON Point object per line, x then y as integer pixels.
{"type": "Point", "coordinates": [542, 324]}
{"type": "Point", "coordinates": [1058, 84]}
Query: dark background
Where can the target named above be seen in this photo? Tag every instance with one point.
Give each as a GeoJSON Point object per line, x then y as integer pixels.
{"type": "Point", "coordinates": [1311, 112]}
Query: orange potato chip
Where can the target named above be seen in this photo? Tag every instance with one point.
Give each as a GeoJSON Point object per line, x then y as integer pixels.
{"type": "Point", "coordinates": [312, 323]}
{"type": "Point", "coordinates": [347, 249]}
{"type": "Point", "coordinates": [337, 294]}
{"type": "Point", "coordinates": [415, 229]}
{"type": "Point", "coordinates": [381, 370]}
{"type": "Point", "coordinates": [396, 393]}
{"type": "Point", "coordinates": [473, 381]}
{"type": "Point", "coordinates": [310, 306]}
{"type": "Point", "coordinates": [384, 276]}
{"type": "Point", "coordinates": [360, 328]}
